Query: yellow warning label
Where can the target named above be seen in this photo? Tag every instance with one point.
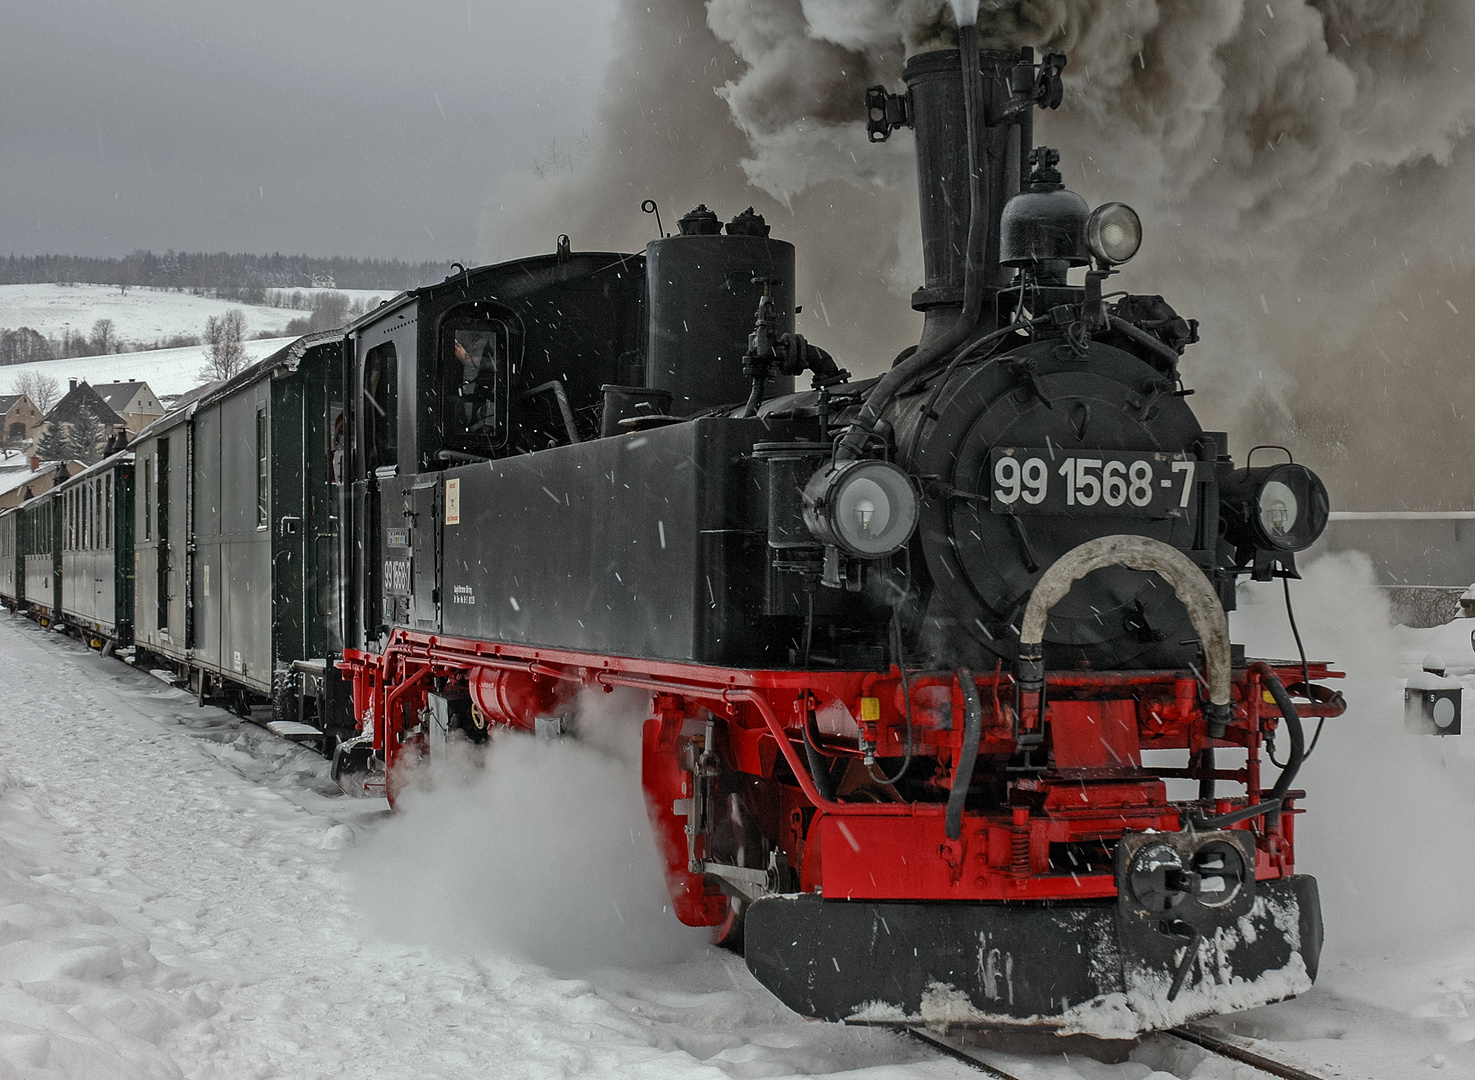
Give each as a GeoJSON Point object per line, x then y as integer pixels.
{"type": "Point", "coordinates": [870, 708]}
{"type": "Point", "coordinates": [453, 501]}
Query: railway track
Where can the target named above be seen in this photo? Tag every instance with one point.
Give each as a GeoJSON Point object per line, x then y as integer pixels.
{"type": "Point", "coordinates": [1206, 1039]}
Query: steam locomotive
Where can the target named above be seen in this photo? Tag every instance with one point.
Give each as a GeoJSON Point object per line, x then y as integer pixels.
{"type": "Point", "coordinates": [905, 640]}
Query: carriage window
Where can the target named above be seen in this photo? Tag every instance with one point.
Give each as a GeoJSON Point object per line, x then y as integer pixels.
{"type": "Point", "coordinates": [107, 515]}
{"type": "Point", "coordinates": [381, 406]}
{"type": "Point", "coordinates": [148, 500]}
{"type": "Point", "coordinates": [261, 459]}
{"type": "Point", "coordinates": [474, 372]}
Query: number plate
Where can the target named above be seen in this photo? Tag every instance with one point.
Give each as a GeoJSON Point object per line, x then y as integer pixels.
{"type": "Point", "coordinates": [1124, 483]}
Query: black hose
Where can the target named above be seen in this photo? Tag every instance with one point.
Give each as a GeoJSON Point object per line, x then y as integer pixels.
{"type": "Point", "coordinates": [963, 774]}
{"type": "Point", "coordinates": [819, 769]}
{"type": "Point", "coordinates": [1293, 727]}
{"type": "Point", "coordinates": [902, 374]}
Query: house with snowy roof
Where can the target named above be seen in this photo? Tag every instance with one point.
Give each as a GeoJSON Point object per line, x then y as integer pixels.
{"type": "Point", "coordinates": [133, 401]}
{"type": "Point", "coordinates": [80, 398]}
{"type": "Point", "coordinates": [18, 418]}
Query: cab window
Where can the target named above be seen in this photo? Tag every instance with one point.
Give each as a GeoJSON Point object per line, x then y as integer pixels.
{"type": "Point", "coordinates": [381, 406]}
{"type": "Point", "coordinates": [474, 368]}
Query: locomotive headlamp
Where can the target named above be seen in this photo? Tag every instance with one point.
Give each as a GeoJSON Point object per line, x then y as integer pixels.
{"type": "Point", "coordinates": [866, 508]}
{"type": "Point", "coordinates": [1113, 233]}
{"type": "Point", "coordinates": [1281, 508]}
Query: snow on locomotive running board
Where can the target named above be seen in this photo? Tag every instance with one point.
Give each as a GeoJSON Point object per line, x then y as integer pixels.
{"type": "Point", "coordinates": [182, 894]}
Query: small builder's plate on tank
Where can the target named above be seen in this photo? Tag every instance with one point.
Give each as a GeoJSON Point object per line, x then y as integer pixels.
{"type": "Point", "coordinates": [1123, 483]}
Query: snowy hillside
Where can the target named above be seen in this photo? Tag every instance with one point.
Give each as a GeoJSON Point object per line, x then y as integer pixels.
{"type": "Point", "coordinates": [140, 315]}
{"type": "Point", "coordinates": [182, 894]}
{"type": "Point", "coordinates": [167, 371]}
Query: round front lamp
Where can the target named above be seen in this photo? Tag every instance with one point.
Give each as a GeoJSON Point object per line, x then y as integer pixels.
{"type": "Point", "coordinates": [866, 508]}
{"type": "Point", "coordinates": [1281, 508]}
{"type": "Point", "coordinates": [1113, 233]}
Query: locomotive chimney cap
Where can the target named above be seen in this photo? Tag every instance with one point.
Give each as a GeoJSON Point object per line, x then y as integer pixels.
{"type": "Point", "coordinates": [700, 222]}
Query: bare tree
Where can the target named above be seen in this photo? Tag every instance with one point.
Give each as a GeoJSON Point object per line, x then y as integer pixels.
{"type": "Point", "coordinates": [43, 390]}
{"type": "Point", "coordinates": [104, 337]}
{"type": "Point", "coordinates": [225, 356]}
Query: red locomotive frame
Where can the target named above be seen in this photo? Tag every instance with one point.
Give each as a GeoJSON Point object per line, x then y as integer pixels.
{"type": "Point", "coordinates": [1095, 790]}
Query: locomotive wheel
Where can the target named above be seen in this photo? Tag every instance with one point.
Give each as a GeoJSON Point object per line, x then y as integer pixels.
{"type": "Point", "coordinates": [728, 934]}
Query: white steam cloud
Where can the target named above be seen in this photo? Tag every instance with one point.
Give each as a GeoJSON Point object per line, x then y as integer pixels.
{"type": "Point", "coordinates": [1382, 805]}
{"type": "Point", "coordinates": [541, 851]}
{"type": "Point", "coordinates": [1302, 168]}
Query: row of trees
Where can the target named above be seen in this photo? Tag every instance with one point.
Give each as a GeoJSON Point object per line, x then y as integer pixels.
{"type": "Point", "coordinates": [325, 310]}
{"type": "Point", "coordinates": [222, 271]}
{"type": "Point", "coordinates": [26, 346]}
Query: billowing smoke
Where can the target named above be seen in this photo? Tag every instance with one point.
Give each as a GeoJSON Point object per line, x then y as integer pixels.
{"type": "Point", "coordinates": [1301, 167]}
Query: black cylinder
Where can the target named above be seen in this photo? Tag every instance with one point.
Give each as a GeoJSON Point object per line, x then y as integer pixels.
{"type": "Point", "coordinates": [703, 298]}
{"type": "Point", "coordinates": [935, 103]}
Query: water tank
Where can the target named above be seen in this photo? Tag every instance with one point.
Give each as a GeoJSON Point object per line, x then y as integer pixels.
{"type": "Point", "coordinates": [704, 287]}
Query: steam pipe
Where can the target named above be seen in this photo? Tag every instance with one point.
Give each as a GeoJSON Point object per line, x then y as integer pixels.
{"type": "Point", "coordinates": [755, 398]}
{"type": "Point", "coordinates": [900, 376]}
{"type": "Point", "coordinates": [1139, 553]}
{"type": "Point", "coordinates": [1146, 340]}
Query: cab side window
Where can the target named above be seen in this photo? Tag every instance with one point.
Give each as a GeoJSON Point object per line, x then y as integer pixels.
{"type": "Point", "coordinates": [474, 369]}
{"type": "Point", "coordinates": [381, 406]}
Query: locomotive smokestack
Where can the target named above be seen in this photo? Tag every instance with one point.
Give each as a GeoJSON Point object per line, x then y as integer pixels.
{"type": "Point", "coordinates": [962, 172]}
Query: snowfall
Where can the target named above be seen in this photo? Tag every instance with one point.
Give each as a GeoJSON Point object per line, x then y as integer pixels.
{"type": "Point", "coordinates": [184, 894]}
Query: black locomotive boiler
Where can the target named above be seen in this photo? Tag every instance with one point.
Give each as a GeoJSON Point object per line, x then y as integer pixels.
{"type": "Point", "coordinates": [905, 640]}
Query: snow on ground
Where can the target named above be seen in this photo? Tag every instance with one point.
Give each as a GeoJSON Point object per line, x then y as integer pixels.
{"type": "Point", "coordinates": [167, 371]}
{"type": "Point", "coordinates": [142, 314]}
{"type": "Point", "coordinates": [182, 894]}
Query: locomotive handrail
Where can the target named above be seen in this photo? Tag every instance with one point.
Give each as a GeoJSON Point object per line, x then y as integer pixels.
{"type": "Point", "coordinates": [1189, 584]}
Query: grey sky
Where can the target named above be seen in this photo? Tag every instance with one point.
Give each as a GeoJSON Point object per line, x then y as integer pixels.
{"type": "Point", "coordinates": [353, 127]}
